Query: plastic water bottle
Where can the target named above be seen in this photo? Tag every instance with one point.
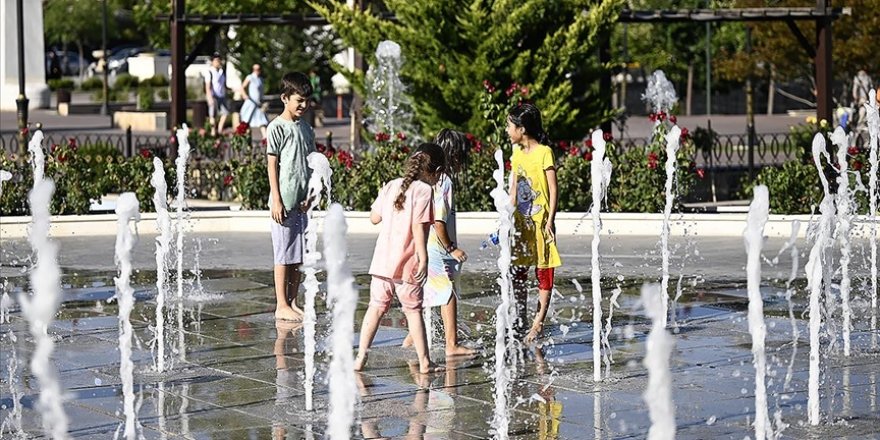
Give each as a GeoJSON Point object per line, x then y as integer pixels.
{"type": "Point", "coordinates": [493, 238]}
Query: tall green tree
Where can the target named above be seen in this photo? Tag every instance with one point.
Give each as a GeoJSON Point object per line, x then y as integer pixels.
{"type": "Point", "coordinates": [452, 46]}
{"type": "Point", "coordinates": [76, 22]}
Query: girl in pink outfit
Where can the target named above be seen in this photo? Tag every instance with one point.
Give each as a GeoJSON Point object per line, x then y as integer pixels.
{"type": "Point", "coordinates": [405, 209]}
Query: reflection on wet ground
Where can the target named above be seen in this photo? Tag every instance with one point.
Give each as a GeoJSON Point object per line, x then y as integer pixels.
{"type": "Point", "coordinates": [236, 373]}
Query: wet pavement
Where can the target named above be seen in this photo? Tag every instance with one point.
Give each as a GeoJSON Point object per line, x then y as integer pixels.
{"type": "Point", "coordinates": [237, 374]}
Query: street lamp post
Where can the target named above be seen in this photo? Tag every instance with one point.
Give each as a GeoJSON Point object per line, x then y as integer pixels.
{"type": "Point", "coordinates": [21, 101]}
{"type": "Point", "coordinates": [105, 110]}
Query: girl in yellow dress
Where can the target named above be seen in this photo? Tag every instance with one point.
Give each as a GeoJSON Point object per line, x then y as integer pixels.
{"type": "Point", "coordinates": [534, 194]}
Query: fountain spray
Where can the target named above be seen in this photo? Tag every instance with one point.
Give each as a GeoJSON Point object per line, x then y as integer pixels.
{"type": "Point", "coordinates": [504, 314]}
{"type": "Point", "coordinates": [759, 211]}
{"type": "Point", "coordinates": [127, 209]}
{"type": "Point", "coordinates": [815, 272]}
{"type": "Point", "coordinates": [342, 298]}
{"type": "Point", "coordinates": [319, 180]}
{"type": "Point", "coordinates": [600, 177]}
{"type": "Point", "coordinates": [673, 141]}
{"type": "Point", "coordinates": [163, 248]}
{"type": "Point", "coordinates": [873, 116]}
{"type": "Point", "coordinates": [40, 308]}
{"type": "Point", "coordinates": [844, 221]}
{"type": "Point", "coordinates": [183, 150]}
{"type": "Point", "coordinates": [658, 348]}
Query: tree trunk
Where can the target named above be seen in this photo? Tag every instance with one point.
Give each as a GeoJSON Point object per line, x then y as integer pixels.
{"type": "Point", "coordinates": [79, 62]}
{"type": "Point", "coordinates": [690, 88]}
{"type": "Point", "coordinates": [771, 90]}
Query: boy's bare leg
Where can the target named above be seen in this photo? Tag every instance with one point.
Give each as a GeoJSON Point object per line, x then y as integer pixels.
{"type": "Point", "coordinates": [538, 323]}
{"type": "Point", "coordinates": [417, 329]}
{"type": "Point", "coordinates": [282, 306]}
{"type": "Point", "coordinates": [294, 278]}
{"type": "Point", "coordinates": [368, 331]}
{"type": "Point", "coordinates": [449, 313]}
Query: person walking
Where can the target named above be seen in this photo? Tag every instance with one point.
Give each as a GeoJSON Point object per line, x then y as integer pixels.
{"type": "Point", "coordinates": [215, 93]}
{"type": "Point", "coordinates": [252, 111]}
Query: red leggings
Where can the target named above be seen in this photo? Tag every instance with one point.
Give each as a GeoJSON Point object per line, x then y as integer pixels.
{"type": "Point", "coordinates": [545, 276]}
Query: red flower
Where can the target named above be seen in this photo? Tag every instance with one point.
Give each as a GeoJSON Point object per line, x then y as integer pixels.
{"type": "Point", "coordinates": [607, 136]}
{"type": "Point", "coordinates": [25, 131]}
{"type": "Point", "coordinates": [684, 133]}
{"type": "Point", "coordinates": [382, 137]}
{"type": "Point", "coordinates": [478, 146]}
{"type": "Point", "coordinates": [71, 143]}
{"type": "Point", "coordinates": [857, 165]}
{"type": "Point", "coordinates": [661, 116]}
{"type": "Point", "coordinates": [652, 160]}
{"type": "Point", "coordinates": [54, 148]}
{"type": "Point", "coordinates": [264, 141]}
{"type": "Point", "coordinates": [405, 149]}
{"type": "Point", "coordinates": [701, 173]}
{"type": "Point", "coordinates": [563, 144]}
{"type": "Point", "coordinates": [401, 135]}
{"type": "Point", "coordinates": [320, 148]}
{"type": "Point", "coordinates": [652, 164]}
{"type": "Point", "coordinates": [330, 152]}
{"type": "Point", "coordinates": [345, 158]}
{"type": "Point", "coordinates": [172, 139]}
{"type": "Point", "coordinates": [242, 129]}
{"type": "Point", "coordinates": [470, 137]}
{"type": "Point", "coordinates": [852, 151]}
{"type": "Point", "coordinates": [673, 119]}
{"type": "Point", "coordinates": [524, 91]}
{"type": "Point", "coordinates": [574, 151]}
{"type": "Point", "coordinates": [507, 165]}
{"type": "Point", "coordinates": [588, 156]}
{"type": "Point", "coordinates": [653, 117]}
{"type": "Point", "coordinates": [227, 180]}
{"type": "Point", "coordinates": [512, 88]}
{"type": "Point", "coordinates": [588, 143]}
{"type": "Point", "coordinates": [145, 153]}
{"type": "Point", "coordinates": [488, 86]}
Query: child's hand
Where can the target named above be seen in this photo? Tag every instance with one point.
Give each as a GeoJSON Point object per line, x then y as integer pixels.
{"type": "Point", "coordinates": [459, 255]}
{"type": "Point", "coordinates": [549, 233]}
{"type": "Point", "coordinates": [422, 273]}
{"type": "Point", "coordinates": [277, 211]}
{"type": "Point", "coordinates": [304, 206]}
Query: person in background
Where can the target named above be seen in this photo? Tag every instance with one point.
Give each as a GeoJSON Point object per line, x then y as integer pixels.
{"type": "Point", "coordinates": [862, 85]}
{"type": "Point", "coordinates": [215, 94]}
{"type": "Point", "coordinates": [252, 110]}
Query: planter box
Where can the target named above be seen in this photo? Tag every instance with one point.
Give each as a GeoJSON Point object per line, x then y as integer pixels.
{"type": "Point", "coordinates": [141, 121]}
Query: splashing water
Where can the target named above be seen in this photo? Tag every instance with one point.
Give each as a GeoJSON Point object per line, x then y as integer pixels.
{"type": "Point", "coordinates": [504, 314]}
{"type": "Point", "coordinates": [319, 180]}
{"type": "Point", "coordinates": [789, 291]}
{"type": "Point", "coordinates": [342, 298]}
{"type": "Point", "coordinates": [163, 249]}
{"type": "Point", "coordinates": [41, 307]}
{"type": "Point", "coordinates": [127, 209]}
{"type": "Point", "coordinates": [815, 272]}
{"type": "Point", "coordinates": [873, 117]}
{"type": "Point", "coordinates": [38, 157]}
{"type": "Point", "coordinates": [844, 221]}
{"type": "Point", "coordinates": [13, 419]}
{"type": "Point", "coordinates": [600, 176]}
{"type": "Point", "coordinates": [660, 92]}
{"type": "Point", "coordinates": [658, 348]}
{"type": "Point", "coordinates": [673, 141]}
{"type": "Point", "coordinates": [4, 176]}
{"type": "Point", "coordinates": [388, 106]}
{"type": "Point", "coordinates": [754, 237]}
{"type": "Point", "coordinates": [183, 150]}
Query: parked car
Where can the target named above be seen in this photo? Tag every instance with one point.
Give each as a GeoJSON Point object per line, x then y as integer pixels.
{"type": "Point", "coordinates": [69, 62]}
{"type": "Point", "coordinates": [117, 62]}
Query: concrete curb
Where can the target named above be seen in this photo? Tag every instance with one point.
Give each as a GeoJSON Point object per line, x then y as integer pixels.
{"type": "Point", "coordinates": [479, 223]}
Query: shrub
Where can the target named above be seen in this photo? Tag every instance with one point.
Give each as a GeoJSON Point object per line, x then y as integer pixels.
{"type": "Point", "coordinates": [89, 152]}
{"type": "Point", "coordinates": [125, 81]}
{"type": "Point", "coordinates": [163, 94]}
{"type": "Point", "coordinates": [93, 83]}
{"type": "Point", "coordinates": [157, 81]}
{"type": "Point", "coordinates": [794, 188]}
{"type": "Point", "coordinates": [133, 175]}
{"type": "Point", "coordinates": [144, 98]}
{"type": "Point", "coordinates": [249, 176]}
{"type": "Point", "coordinates": [60, 84]}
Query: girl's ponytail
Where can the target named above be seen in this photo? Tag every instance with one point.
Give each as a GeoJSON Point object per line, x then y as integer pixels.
{"type": "Point", "coordinates": [428, 158]}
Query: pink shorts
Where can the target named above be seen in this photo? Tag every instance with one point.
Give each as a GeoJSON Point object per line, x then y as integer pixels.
{"type": "Point", "coordinates": [383, 290]}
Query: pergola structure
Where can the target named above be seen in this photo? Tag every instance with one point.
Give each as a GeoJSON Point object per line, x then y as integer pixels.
{"type": "Point", "coordinates": [819, 49]}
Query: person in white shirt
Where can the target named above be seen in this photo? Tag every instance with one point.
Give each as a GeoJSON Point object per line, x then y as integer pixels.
{"type": "Point", "coordinates": [215, 93]}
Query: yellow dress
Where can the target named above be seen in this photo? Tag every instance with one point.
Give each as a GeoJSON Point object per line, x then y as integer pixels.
{"type": "Point", "coordinates": [531, 246]}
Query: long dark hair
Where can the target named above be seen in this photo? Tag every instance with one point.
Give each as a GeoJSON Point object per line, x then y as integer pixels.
{"type": "Point", "coordinates": [456, 146]}
{"type": "Point", "coordinates": [528, 117]}
{"type": "Point", "coordinates": [428, 158]}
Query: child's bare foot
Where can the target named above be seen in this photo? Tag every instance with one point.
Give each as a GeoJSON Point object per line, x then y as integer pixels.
{"type": "Point", "coordinates": [430, 367]}
{"type": "Point", "coordinates": [288, 314]}
{"type": "Point", "coordinates": [407, 341]}
{"type": "Point", "coordinates": [459, 350]}
{"type": "Point", "coordinates": [360, 362]}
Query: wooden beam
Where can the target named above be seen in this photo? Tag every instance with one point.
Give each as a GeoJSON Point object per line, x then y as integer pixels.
{"type": "Point", "coordinates": [802, 39]}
